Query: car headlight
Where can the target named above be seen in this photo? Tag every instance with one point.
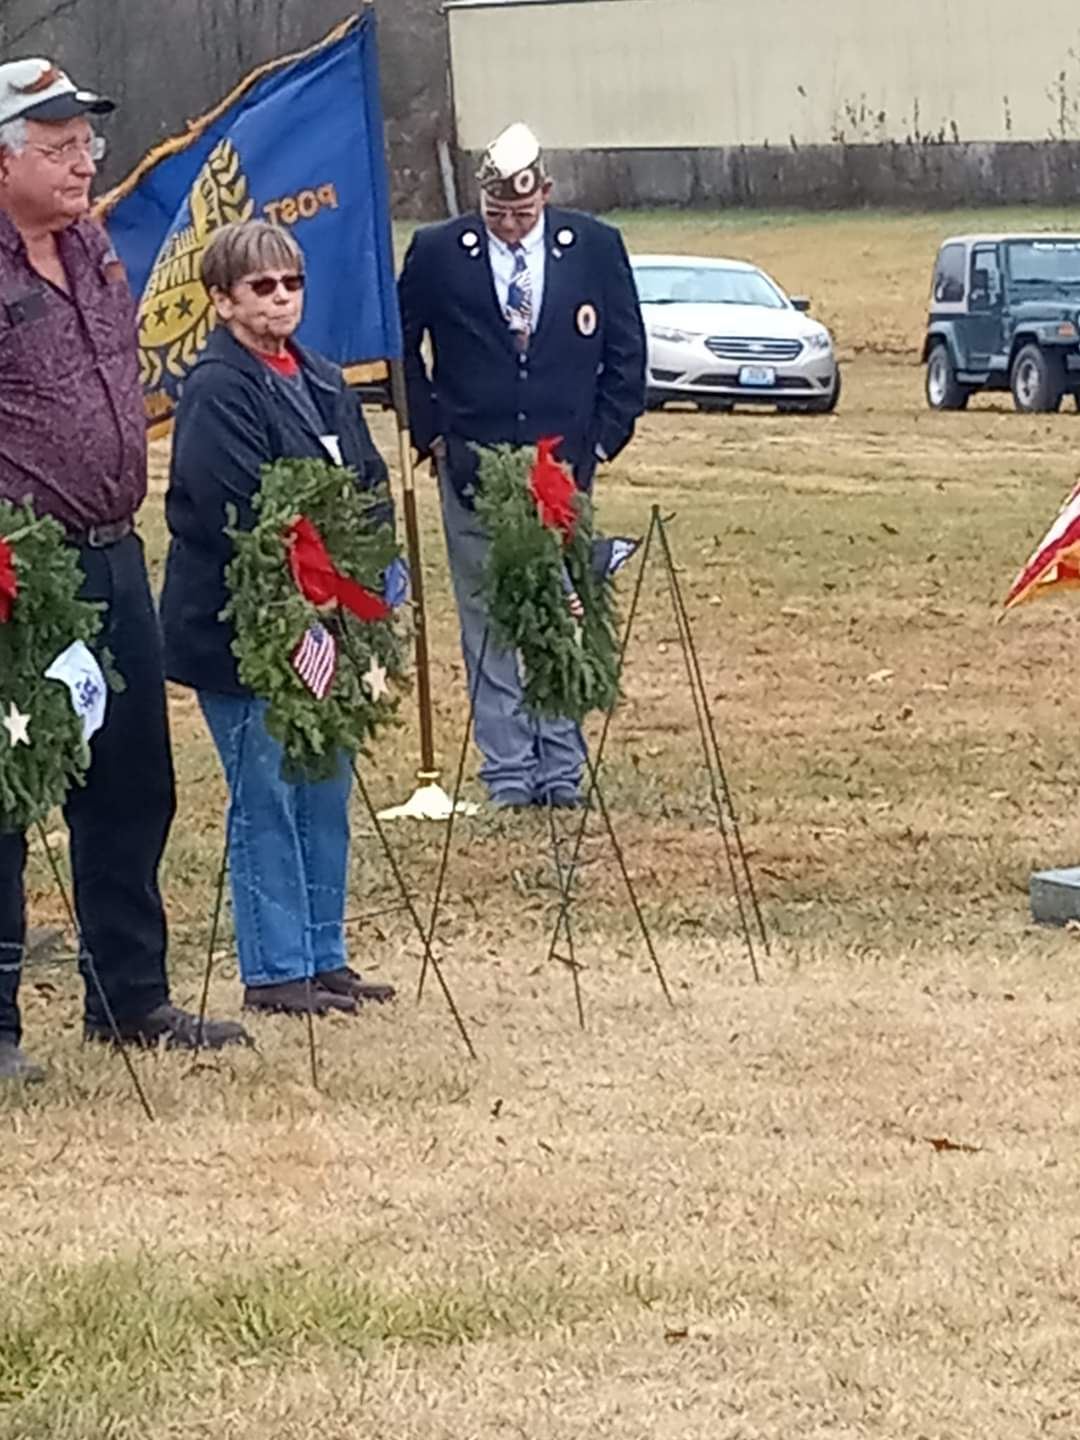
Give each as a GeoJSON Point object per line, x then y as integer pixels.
{"type": "Point", "coordinates": [819, 340]}
{"type": "Point", "coordinates": [676, 337]}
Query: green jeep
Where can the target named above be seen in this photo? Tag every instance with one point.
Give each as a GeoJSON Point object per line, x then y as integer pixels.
{"type": "Point", "coordinates": [1005, 315]}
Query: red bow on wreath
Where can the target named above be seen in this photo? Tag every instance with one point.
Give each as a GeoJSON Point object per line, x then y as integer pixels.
{"type": "Point", "coordinates": [318, 580]}
{"type": "Point", "coordinates": [9, 584]}
{"type": "Point", "coordinates": [553, 490]}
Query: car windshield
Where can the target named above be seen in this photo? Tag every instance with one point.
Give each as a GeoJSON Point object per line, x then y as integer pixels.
{"type": "Point", "coordinates": [1042, 265]}
{"type": "Point", "coordinates": [705, 285]}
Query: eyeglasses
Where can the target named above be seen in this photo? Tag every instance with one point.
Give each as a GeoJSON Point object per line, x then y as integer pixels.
{"type": "Point", "coordinates": [266, 285]}
{"type": "Point", "coordinates": [518, 212]}
{"type": "Point", "coordinates": [71, 150]}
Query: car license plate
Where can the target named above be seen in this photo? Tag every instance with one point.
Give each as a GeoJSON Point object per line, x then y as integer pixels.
{"type": "Point", "coordinates": [760, 375]}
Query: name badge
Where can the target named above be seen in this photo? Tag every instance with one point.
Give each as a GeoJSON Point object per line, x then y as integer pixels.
{"type": "Point", "coordinates": [332, 446]}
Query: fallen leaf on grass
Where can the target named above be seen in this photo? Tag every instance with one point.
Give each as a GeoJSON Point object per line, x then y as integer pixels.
{"type": "Point", "coordinates": [943, 1145]}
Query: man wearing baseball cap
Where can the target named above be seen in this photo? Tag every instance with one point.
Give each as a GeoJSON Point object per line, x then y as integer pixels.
{"type": "Point", "coordinates": [535, 331]}
{"type": "Point", "coordinates": [73, 443]}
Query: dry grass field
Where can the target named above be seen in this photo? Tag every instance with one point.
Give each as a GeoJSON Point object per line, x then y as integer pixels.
{"type": "Point", "coordinates": [840, 1203]}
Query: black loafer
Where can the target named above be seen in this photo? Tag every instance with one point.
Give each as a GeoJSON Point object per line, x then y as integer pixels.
{"type": "Point", "coordinates": [512, 799]}
{"type": "Point", "coordinates": [17, 1067]}
{"type": "Point", "coordinates": [563, 799]}
{"type": "Point", "coordinates": [297, 997]}
{"type": "Point", "coordinates": [173, 1028]}
{"type": "Point", "coordinates": [349, 982]}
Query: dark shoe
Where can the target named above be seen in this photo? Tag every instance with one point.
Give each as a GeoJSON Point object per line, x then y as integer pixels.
{"type": "Point", "coordinates": [512, 799]}
{"type": "Point", "coordinates": [296, 997]}
{"type": "Point", "coordinates": [16, 1066]}
{"type": "Point", "coordinates": [43, 942]}
{"type": "Point", "coordinates": [349, 982]}
{"type": "Point", "coordinates": [563, 799]}
{"type": "Point", "coordinates": [173, 1028]}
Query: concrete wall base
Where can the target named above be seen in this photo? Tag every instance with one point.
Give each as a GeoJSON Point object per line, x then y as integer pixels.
{"type": "Point", "coordinates": [819, 177]}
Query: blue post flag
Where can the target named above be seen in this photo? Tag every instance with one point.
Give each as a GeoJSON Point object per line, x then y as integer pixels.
{"type": "Point", "coordinates": [299, 142]}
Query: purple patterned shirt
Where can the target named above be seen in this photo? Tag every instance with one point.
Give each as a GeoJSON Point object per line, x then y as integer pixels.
{"type": "Point", "coordinates": [72, 423]}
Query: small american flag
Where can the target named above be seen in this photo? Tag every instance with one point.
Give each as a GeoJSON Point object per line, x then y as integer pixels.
{"type": "Point", "coordinates": [315, 660]}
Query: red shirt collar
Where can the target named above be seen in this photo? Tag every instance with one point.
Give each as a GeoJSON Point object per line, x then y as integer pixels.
{"type": "Point", "coordinates": [286, 364]}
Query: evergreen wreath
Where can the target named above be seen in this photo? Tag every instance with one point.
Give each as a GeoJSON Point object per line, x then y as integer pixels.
{"type": "Point", "coordinates": [271, 616]}
{"type": "Point", "coordinates": [538, 559]}
{"type": "Point", "coordinates": [41, 615]}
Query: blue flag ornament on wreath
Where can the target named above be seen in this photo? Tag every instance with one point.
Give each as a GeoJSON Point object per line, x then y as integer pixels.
{"type": "Point", "coordinates": [299, 142]}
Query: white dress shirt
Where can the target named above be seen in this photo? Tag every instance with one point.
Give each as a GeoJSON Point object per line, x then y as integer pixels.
{"type": "Point", "coordinates": [501, 259]}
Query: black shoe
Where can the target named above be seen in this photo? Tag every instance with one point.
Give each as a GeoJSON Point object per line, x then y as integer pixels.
{"type": "Point", "coordinates": [348, 982]}
{"type": "Point", "coordinates": [297, 997]}
{"type": "Point", "coordinates": [173, 1028]}
{"type": "Point", "coordinates": [16, 1066]}
{"type": "Point", "coordinates": [43, 942]}
{"type": "Point", "coordinates": [512, 798]}
{"type": "Point", "coordinates": [563, 799]}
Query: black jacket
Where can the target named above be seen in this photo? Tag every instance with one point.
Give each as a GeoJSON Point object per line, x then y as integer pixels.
{"type": "Point", "coordinates": [233, 419]}
{"type": "Point", "coordinates": [584, 374]}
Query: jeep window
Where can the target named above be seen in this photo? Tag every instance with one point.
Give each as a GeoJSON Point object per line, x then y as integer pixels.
{"type": "Point", "coordinates": [985, 278]}
{"type": "Point", "coordinates": [949, 276]}
{"type": "Point", "coordinates": [1045, 267]}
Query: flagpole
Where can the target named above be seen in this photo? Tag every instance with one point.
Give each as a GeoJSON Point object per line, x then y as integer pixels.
{"type": "Point", "coordinates": [429, 801]}
{"type": "Point", "coordinates": [429, 771]}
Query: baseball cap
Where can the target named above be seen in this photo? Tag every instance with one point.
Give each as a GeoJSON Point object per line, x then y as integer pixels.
{"type": "Point", "coordinates": [39, 90]}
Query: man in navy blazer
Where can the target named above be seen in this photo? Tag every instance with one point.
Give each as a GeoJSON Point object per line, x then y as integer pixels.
{"type": "Point", "coordinates": [535, 330]}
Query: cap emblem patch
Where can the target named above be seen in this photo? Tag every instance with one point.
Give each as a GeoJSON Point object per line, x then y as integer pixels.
{"type": "Point", "coordinates": [49, 77]}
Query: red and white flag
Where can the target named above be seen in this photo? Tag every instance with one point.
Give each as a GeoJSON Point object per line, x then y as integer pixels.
{"type": "Point", "coordinates": [1055, 564]}
{"type": "Point", "coordinates": [315, 660]}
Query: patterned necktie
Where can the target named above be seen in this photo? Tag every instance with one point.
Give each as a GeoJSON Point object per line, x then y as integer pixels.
{"type": "Point", "coordinates": [519, 298]}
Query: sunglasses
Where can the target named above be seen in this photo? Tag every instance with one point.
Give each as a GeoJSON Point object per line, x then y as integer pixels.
{"type": "Point", "coordinates": [498, 212]}
{"type": "Point", "coordinates": [266, 285]}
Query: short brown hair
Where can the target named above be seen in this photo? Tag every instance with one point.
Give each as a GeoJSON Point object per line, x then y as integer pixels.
{"type": "Point", "coordinates": [244, 248]}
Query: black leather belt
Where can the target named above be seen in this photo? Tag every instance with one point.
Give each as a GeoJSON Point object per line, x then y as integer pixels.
{"type": "Point", "coordinates": [100, 537]}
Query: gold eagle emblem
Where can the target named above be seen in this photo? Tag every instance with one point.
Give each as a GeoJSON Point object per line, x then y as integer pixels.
{"type": "Point", "coordinates": [176, 316]}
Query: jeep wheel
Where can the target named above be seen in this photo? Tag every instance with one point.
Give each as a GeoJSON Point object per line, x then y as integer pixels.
{"type": "Point", "coordinates": [1038, 382]}
{"type": "Point", "coordinates": [943, 390]}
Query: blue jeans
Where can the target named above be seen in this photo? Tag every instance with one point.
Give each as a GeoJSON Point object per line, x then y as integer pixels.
{"type": "Point", "coordinates": [523, 753]}
{"type": "Point", "coordinates": [288, 850]}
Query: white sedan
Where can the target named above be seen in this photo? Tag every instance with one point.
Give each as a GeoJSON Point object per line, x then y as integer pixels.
{"type": "Point", "coordinates": [722, 333]}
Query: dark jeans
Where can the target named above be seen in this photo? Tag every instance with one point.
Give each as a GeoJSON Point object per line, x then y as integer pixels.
{"type": "Point", "coordinates": [119, 821]}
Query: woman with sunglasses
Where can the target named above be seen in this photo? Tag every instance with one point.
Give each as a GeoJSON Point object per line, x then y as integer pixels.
{"type": "Point", "coordinates": [256, 396]}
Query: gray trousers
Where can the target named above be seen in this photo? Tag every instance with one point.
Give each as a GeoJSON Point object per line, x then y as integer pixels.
{"type": "Point", "coordinates": [525, 757]}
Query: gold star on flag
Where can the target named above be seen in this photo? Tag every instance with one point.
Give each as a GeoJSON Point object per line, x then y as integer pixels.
{"type": "Point", "coordinates": [375, 680]}
{"type": "Point", "coordinates": [18, 726]}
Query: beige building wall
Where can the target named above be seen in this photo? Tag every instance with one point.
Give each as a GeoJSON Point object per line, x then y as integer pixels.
{"type": "Point", "coordinates": [673, 74]}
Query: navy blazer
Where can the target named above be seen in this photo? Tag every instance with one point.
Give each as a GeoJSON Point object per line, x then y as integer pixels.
{"type": "Point", "coordinates": [232, 420]}
{"type": "Point", "coordinates": [583, 376]}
